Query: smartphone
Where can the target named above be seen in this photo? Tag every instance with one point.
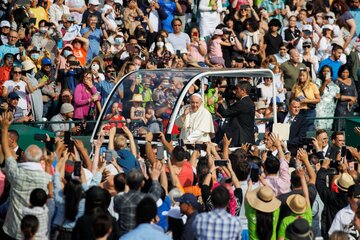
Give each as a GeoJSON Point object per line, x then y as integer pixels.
{"type": "Point", "coordinates": [160, 152]}
{"type": "Point", "coordinates": [327, 75]}
{"type": "Point", "coordinates": [168, 137]}
{"type": "Point", "coordinates": [40, 137]}
{"type": "Point", "coordinates": [71, 146]}
{"type": "Point", "coordinates": [221, 163]}
{"type": "Point", "coordinates": [200, 147]}
{"type": "Point", "coordinates": [67, 136]}
{"type": "Point", "coordinates": [32, 20]}
{"type": "Point", "coordinates": [60, 43]}
{"type": "Point", "coordinates": [77, 168]}
{"type": "Point", "coordinates": [108, 156]}
{"type": "Point", "coordinates": [119, 131]}
{"type": "Point", "coordinates": [156, 136]}
{"type": "Point", "coordinates": [349, 156]}
{"type": "Point", "coordinates": [343, 151]}
{"type": "Point", "coordinates": [73, 63]}
{"type": "Point", "coordinates": [181, 142]}
{"type": "Point", "coordinates": [321, 162]}
{"type": "Point", "coordinates": [309, 20]}
{"type": "Point", "coordinates": [301, 98]}
{"type": "Point", "coordinates": [178, 53]}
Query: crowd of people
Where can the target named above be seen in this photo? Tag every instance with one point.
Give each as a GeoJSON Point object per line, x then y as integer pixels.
{"type": "Point", "coordinates": [229, 176]}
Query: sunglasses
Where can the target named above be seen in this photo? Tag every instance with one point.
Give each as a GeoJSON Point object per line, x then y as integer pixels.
{"type": "Point", "coordinates": [110, 71]}
{"type": "Point", "coordinates": [16, 72]}
{"type": "Point", "coordinates": [307, 46]}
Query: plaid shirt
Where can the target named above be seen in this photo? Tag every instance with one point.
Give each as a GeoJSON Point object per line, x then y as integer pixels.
{"type": "Point", "coordinates": [217, 224]}
{"type": "Point", "coordinates": [125, 205]}
{"type": "Point", "coordinates": [23, 180]}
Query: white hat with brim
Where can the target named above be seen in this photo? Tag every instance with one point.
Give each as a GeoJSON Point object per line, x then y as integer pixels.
{"type": "Point", "coordinates": [344, 182]}
{"type": "Point", "coordinates": [27, 65]}
{"type": "Point", "coordinates": [94, 2]}
{"type": "Point", "coordinates": [136, 98]}
{"type": "Point", "coordinates": [296, 203]}
{"type": "Point", "coordinates": [263, 199]}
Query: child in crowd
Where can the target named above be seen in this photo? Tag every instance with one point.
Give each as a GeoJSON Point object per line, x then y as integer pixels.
{"type": "Point", "coordinates": [29, 226]}
{"type": "Point", "coordinates": [42, 209]}
{"type": "Point", "coordinates": [215, 52]}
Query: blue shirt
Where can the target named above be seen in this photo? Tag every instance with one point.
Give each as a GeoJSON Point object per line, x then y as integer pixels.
{"type": "Point", "coordinates": [170, 8]}
{"type": "Point", "coordinates": [94, 42]}
{"type": "Point", "coordinates": [356, 15]}
{"type": "Point", "coordinates": [165, 206]}
{"type": "Point", "coordinates": [335, 65]}
{"type": "Point", "coordinates": [104, 88]}
{"type": "Point", "coordinates": [146, 231]}
{"type": "Point", "coordinates": [4, 49]}
{"type": "Point", "coordinates": [127, 160]}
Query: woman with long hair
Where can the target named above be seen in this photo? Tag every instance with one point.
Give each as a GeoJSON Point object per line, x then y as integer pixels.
{"type": "Point", "coordinates": [198, 48]}
{"type": "Point", "coordinates": [347, 98]}
{"type": "Point", "coordinates": [262, 210]}
{"type": "Point", "coordinates": [251, 35]}
{"type": "Point", "coordinates": [309, 95]}
{"type": "Point", "coordinates": [161, 55]}
{"type": "Point", "coordinates": [329, 92]}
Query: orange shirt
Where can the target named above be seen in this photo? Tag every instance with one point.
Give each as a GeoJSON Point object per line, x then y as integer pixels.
{"type": "Point", "coordinates": [80, 55]}
{"type": "Point", "coordinates": [186, 175]}
{"type": "Point", "coordinates": [4, 76]}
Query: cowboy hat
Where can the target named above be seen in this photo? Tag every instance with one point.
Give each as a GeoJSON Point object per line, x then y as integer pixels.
{"type": "Point", "coordinates": [263, 199]}
{"type": "Point", "coordinates": [137, 98]}
{"type": "Point", "coordinates": [344, 182]}
{"type": "Point", "coordinates": [296, 203]}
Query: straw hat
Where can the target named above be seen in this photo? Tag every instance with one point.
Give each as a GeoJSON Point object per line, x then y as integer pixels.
{"type": "Point", "coordinates": [260, 105]}
{"type": "Point", "coordinates": [296, 203]}
{"type": "Point", "coordinates": [263, 199]}
{"type": "Point", "coordinates": [27, 65]}
{"type": "Point", "coordinates": [344, 182]}
{"type": "Point", "coordinates": [137, 98]}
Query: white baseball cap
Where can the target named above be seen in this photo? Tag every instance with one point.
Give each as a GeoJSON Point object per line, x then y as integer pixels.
{"type": "Point", "coordinates": [94, 2]}
{"type": "Point", "coordinates": [5, 23]}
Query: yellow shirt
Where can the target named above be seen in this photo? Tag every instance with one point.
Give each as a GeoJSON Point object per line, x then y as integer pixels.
{"type": "Point", "coordinates": [310, 91]}
{"type": "Point", "coordinates": [39, 14]}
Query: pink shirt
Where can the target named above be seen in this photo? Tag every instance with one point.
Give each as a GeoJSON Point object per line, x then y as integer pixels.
{"type": "Point", "coordinates": [194, 51]}
{"type": "Point", "coordinates": [215, 48]}
{"type": "Point", "coordinates": [81, 100]}
{"type": "Point", "coordinates": [280, 184]}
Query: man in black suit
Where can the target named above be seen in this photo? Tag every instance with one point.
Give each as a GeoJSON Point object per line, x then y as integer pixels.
{"type": "Point", "coordinates": [322, 147]}
{"type": "Point", "coordinates": [242, 116]}
{"type": "Point", "coordinates": [298, 124]}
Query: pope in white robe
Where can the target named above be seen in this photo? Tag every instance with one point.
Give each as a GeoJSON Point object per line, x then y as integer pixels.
{"type": "Point", "coordinates": [195, 121]}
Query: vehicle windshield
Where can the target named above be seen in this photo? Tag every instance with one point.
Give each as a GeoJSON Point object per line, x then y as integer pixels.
{"type": "Point", "coordinates": [144, 98]}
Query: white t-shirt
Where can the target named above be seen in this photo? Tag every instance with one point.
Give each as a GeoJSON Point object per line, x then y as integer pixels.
{"type": "Point", "coordinates": [10, 85]}
{"type": "Point", "coordinates": [179, 41]}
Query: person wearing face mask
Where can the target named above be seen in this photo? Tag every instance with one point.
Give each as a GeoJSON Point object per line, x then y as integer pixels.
{"type": "Point", "coordinates": [117, 43]}
{"type": "Point", "coordinates": [160, 54]}
{"type": "Point", "coordinates": [47, 38]}
{"type": "Point", "coordinates": [36, 102]}
{"type": "Point", "coordinates": [34, 56]}
{"type": "Point", "coordinates": [38, 12]}
{"type": "Point", "coordinates": [97, 66]}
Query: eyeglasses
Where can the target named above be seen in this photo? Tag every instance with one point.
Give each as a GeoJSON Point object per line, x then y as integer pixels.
{"type": "Point", "coordinates": [65, 96]}
{"type": "Point", "coordinates": [223, 86]}
{"type": "Point", "coordinates": [110, 71]}
{"type": "Point", "coordinates": [16, 72]}
{"type": "Point", "coordinates": [243, 9]}
{"type": "Point", "coordinates": [12, 36]}
{"type": "Point", "coordinates": [307, 46]}
{"type": "Point", "coordinates": [327, 17]}
{"type": "Point", "coordinates": [47, 65]}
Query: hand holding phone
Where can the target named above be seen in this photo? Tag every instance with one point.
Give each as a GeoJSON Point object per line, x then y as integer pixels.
{"type": "Point", "coordinates": [221, 163]}
{"type": "Point", "coordinates": [108, 156]}
{"type": "Point", "coordinates": [77, 169]}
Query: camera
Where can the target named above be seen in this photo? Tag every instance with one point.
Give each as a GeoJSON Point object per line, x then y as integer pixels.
{"type": "Point", "coordinates": [255, 93]}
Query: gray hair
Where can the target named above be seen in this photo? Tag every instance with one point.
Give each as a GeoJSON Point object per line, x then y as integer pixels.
{"type": "Point", "coordinates": [33, 153]}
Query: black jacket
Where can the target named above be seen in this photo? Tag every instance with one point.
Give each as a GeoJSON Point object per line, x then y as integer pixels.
{"type": "Point", "coordinates": [333, 202]}
{"type": "Point", "coordinates": [242, 121]}
{"type": "Point", "coordinates": [297, 129]}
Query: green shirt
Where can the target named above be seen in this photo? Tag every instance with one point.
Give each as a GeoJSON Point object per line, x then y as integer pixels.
{"type": "Point", "coordinates": [307, 215]}
{"type": "Point", "coordinates": [208, 95]}
{"type": "Point", "coordinates": [251, 216]}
